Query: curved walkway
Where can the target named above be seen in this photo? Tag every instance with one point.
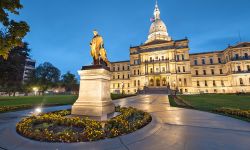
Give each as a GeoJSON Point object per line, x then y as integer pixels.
{"type": "Point", "coordinates": [171, 128]}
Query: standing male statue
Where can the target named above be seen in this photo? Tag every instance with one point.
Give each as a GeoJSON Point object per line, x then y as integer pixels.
{"type": "Point", "coordinates": [97, 50]}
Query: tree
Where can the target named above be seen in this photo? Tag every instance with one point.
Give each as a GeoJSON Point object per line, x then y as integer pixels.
{"type": "Point", "coordinates": [11, 76]}
{"type": "Point", "coordinates": [69, 81]}
{"type": "Point", "coordinates": [47, 76]}
{"type": "Point", "coordinates": [12, 32]}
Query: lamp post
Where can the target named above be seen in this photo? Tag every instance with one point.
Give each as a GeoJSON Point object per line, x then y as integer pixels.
{"type": "Point", "coordinates": [35, 89]}
{"type": "Point", "coordinates": [122, 88]}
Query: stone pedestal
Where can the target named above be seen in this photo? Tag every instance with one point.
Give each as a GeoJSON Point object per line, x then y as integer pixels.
{"type": "Point", "coordinates": [94, 94]}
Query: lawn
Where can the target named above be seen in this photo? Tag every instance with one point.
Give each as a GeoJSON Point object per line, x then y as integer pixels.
{"type": "Point", "coordinates": [210, 102]}
{"type": "Point", "coordinates": [38, 100]}
{"type": "Point", "coordinates": [237, 106]}
{"type": "Point", "coordinates": [26, 102]}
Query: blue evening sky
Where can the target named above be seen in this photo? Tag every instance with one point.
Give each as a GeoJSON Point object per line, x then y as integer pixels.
{"type": "Point", "coordinates": [62, 29]}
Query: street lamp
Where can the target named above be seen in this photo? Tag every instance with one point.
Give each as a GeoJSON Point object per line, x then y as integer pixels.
{"type": "Point", "coordinates": [122, 88]}
{"type": "Point", "coordinates": [35, 89]}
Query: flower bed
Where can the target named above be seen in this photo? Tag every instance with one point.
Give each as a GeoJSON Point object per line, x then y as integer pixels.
{"type": "Point", "coordinates": [56, 127]}
{"type": "Point", "coordinates": [235, 112]}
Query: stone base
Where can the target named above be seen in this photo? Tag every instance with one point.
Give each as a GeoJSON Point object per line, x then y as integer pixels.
{"type": "Point", "coordinates": [92, 109]}
{"type": "Point", "coordinates": [94, 94]}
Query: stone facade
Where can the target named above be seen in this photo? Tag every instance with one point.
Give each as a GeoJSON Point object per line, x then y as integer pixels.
{"type": "Point", "coordinates": [165, 63]}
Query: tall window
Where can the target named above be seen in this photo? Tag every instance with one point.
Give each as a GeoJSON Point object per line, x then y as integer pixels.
{"type": "Point", "coordinates": [134, 72]}
{"type": "Point", "coordinates": [162, 57]}
{"type": "Point", "coordinates": [128, 85]}
{"type": "Point", "coordinates": [211, 61]}
{"type": "Point", "coordinates": [214, 83]}
{"type": "Point", "coordinates": [118, 76]}
{"type": "Point", "coordinates": [179, 69]}
{"type": "Point", "coordinates": [151, 59]}
{"type": "Point", "coordinates": [118, 85]}
{"type": "Point", "coordinates": [183, 57]}
{"type": "Point", "coordinates": [204, 72]}
{"type": "Point", "coordinates": [185, 81]}
{"type": "Point", "coordinates": [212, 71]}
{"type": "Point", "coordinates": [138, 72]}
{"type": "Point", "coordinates": [113, 68]}
{"type": "Point", "coordinates": [151, 70]}
{"type": "Point", "coordinates": [205, 82]}
{"type": "Point", "coordinates": [239, 68]}
{"type": "Point", "coordinates": [236, 56]}
{"type": "Point", "coordinates": [123, 68]}
{"type": "Point", "coordinates": [241, 81]}
{"type": "Point", "coordinates": [138, 83]}
{"type": "Point", "coordinates": [134, 83]}
{"type": "Point", "coordinates": [221, 72]}
{"type": "Point", "coordinates": [203, 61]}
{"type": "Point", "coordinates": [196, 72]}
{"type": "Point", "coordinates": [246, 55]}
{"type": "Point", "coordinates": [219, 60]}
{"type": "Point", "coordinates": [248, 67]}
{"type": "Point", "coordinates": [184, 70]}
{"type": "Point", "coordinates": [177, 57]}
{"type": "Point", "coordinates": [128, 67]}
{"type": "Point", "coordinates": [195, 62]}
{"type": "Point", "coordinates": [163, 69]}
{"type": "Point", "coordinates": [123, 76]}
{"type": "Point", "coordinates": [118, 68]}
{"type": "Point", "coordinates": [198, 83]}
{"type": "Point", "coordinates": [222, 83]}
{"type": "Point", "coordinates": [128, 76]}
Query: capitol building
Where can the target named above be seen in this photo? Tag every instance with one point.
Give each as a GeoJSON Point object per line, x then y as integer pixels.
{"type": "Point", "coordinates": [163, 63]}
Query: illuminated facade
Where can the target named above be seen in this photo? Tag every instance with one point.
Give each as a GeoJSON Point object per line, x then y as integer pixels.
{"type": "Point", "coordinates": [165, 63]}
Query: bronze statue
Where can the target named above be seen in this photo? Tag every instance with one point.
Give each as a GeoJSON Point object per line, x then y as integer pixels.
{"type": "Point", "coordinates": [97, 50]}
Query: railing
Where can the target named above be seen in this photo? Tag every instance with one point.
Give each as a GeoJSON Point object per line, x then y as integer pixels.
{"type": "Point", "coordinates": [243, 71]}
{"type": "Point", "coordinates": [240, 58]}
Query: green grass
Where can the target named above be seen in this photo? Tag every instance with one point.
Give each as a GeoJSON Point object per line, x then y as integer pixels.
{"type": "Point", "coordinates": [38, 100]}
{"type": "Point", "coordinates": [216, 102]}
{"type": "Point", "coordinates": [210, 102]}
{"type": "Point", "coordinates": [172, 101]}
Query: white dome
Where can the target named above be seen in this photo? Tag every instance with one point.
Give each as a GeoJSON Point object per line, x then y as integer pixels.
{"type": "Point", "coordinates": [158, 29]}
{"type": "Point", "coordinates": [157, 25]}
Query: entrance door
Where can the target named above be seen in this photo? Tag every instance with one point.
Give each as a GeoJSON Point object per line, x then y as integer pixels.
{"type": "Point", "coordinates": [158, 82]}
{"type": "Point", "coordinates": [151, 82]}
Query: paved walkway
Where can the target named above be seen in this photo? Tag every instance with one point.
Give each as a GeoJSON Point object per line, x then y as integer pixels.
{"type": "Point", "coordinates": [171, 128]}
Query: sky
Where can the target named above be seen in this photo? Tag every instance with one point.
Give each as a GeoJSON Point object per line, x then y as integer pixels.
{"type": "Point", "coordinates": [61, 30]}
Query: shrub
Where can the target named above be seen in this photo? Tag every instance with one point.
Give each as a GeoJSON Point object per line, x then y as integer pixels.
{"type": "Point", "coordinates": [12, 108]}
{"type": "Point", "coordinates": [235, 112]}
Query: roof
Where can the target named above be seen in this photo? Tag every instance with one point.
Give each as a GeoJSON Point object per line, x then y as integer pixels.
{"type": "Point", "coordinates": [242, 44]}
{"type": "Point", "coordinates": [120, 61]}
{"type": "Point", "coordinates": [156, 42]}
{"type": "Point", "coordinates": [207, 52]}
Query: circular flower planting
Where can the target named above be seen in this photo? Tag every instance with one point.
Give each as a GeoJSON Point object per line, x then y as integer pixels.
{"type": "Point", "coordinates": [57, 127]}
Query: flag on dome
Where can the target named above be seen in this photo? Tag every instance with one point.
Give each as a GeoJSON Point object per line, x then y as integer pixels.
{"type": "Point", "coordinates": [152, 19]}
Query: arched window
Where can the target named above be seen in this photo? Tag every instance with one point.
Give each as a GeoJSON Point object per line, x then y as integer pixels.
{"type": "Point", "coordinates": [138, 82]}
{"type": "Point", "coordinates": [151, 82]}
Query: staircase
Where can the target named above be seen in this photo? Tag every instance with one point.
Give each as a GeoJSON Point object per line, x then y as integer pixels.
{"type": "Point", "coordinates": [155, 90]}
